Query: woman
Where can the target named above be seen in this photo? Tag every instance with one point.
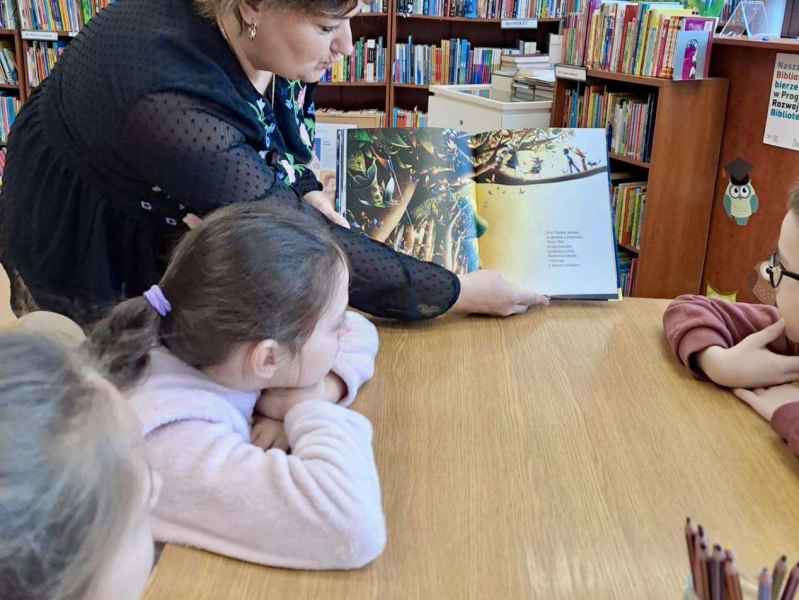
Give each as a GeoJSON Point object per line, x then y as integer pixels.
{"type": "Point", "coordinates": [165, 109]}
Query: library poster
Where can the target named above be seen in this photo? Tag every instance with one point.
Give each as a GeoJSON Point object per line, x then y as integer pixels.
{"type": "Point", "coordinates": [782, 122]}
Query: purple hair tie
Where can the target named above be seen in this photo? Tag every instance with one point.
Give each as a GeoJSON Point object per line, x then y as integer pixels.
{"type": "Point", "coordinates": [155, 296]}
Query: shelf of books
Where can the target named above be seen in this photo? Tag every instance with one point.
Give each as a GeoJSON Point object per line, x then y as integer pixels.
{"type": "Point", "coordinates": [452, 42]}
{"type": "Point", "coordinates": [623, 71]}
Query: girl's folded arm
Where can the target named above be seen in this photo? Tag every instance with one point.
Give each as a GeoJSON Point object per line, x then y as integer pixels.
{"type": "Point", "coordinates": [318, 508]}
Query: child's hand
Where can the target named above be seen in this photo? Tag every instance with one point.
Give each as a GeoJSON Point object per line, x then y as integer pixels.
{"type": "Point", "coordinates": [766, 401]}
{"type": "Point", "coordinates": [750, 364]}
{"type": "Point", "coordinates": [269, 433]}
{"type": "Point", "coordinates": [277, 402]}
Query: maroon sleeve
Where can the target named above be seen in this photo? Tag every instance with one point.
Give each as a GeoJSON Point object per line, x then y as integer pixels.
{"type": "Point", "coordinates": [786, 423]}
{"type": "Point", "coordinates": [694, 323]}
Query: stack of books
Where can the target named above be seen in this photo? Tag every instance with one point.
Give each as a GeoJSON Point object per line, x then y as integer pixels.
{"type": "Point", "coordinates": [629, 116]}
{"type": "Point", "coordinates": [380, 6]}
{"type": "Point", "coordinates": [575, 29]}
{"type": "Point", "coordinates": [366, 63]}
{"type": "Point", "coordinates": [51, 16]}
{"type": "Point", "coordinates": [629, 202]}
{"type": "Point", "coordinates": [533, 85]}
{"type": "Point", "coordinates": [628, 266]}
{"type": "Point", "coordinates": [8, 63]}
{"type": "Point", "coordinates": [9, 107]}
{"type": "Point", "coordinates": [454, 62]}
{"type": "Point", "coordinates": [629, 37]}
{"type": "Point", "coordinates": [408, 118]}
{"type": "Point", "coordinates": [483, 9]}
{"type": "Point", "coordinates": [510, 60]}
{"type": "Point", "coordinates": [8, 14]}
{"type": "Point", "coordinates": [41, 58]}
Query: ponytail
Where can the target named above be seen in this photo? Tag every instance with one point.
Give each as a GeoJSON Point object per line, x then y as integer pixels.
{"type": "Point", "coordinates": [121, 342]}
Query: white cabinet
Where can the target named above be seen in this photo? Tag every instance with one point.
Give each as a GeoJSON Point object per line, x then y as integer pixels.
{"type": "Point", "coordinates": [476, 108]}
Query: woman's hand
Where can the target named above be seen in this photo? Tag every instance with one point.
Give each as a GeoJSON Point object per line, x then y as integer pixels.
{"type": "Point", "coordinates": [268, 434]}
{"type": "Point", "coordinates": [490, 293]}
{"type": "Point", "coordinates": [325, 203]}
{"type": "Point", "coordinates": [766, 401]}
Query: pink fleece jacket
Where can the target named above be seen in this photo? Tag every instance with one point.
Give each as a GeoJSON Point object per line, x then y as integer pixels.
{"type": "Point", "coordinates": [316, 508]}
{"type": "Point", "coordinates": [694, 323]}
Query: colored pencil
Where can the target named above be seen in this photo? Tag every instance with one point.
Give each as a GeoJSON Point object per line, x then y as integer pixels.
{"type": "Point", "coordinates": [732, 581]}
{"type": "Point", "coordinates": [790, 586]}
{"type": "Point", "coordinates": [778, 576]}
{"type": "Point", "coordinates": [764, 585]}
{"type": "Point", "coordinates": [716, 579]}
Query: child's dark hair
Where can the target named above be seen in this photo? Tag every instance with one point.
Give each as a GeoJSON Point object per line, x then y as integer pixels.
{"type": "Point", "coordinates": [249, 272]}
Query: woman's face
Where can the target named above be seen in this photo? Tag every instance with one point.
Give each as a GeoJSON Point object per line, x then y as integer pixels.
{"type": "Point", "coordinates": [295, 44]}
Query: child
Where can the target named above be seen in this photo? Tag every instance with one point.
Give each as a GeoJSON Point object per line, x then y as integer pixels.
{"type": "Point", "coordinates": [254, 299]}
{"type": "Point", "coordinates": [75, 489]}
{"type": "Point", "coordinates": [750, 347]}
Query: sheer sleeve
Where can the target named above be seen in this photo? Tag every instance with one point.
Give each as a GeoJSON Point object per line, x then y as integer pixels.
{"type": "Point", "coordinates": [388, 284]}
{"type": "Point", "coordinates": [200, 159]}
{"type": "Point", "coordinates": [196, 156]}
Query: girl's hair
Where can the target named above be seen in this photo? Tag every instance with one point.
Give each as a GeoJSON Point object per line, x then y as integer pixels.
{"type": "Point", "coordinates": [68, 486]}
{"type": "Point", "coordinates": [218, 8]}
{"type": "Point", "coordinates": [249, 272]}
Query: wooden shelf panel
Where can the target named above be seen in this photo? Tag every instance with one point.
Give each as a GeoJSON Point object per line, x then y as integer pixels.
{"type": "Point", "coordinates": [370, 15]}
{"type": "Point", "coordinates": [413, 86]}
{"type": "Point", "coordinates": [353, 83]}
{"type": "Point", "coordinates": [627, 78]}
{"type": "Point", "coordinates": [629, 161]}
{"type": "Point", "coordinates": [7, 32]}
{"type": "Point", "coordinates": [629, 248]}
{"type": "Point", "coordinates": [788, 44]}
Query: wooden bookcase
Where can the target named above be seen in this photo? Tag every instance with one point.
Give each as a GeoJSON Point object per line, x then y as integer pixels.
{"type": "Point", "coordinates": [681, 176]}
{"type": "Point", "coordinates": [395, 27]}
{"type": "Point", "coordinates": [363, 94]}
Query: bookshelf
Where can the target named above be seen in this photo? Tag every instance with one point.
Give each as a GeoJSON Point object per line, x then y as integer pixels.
{"type": "Point", "coordinates": [680, 175]}
{"type": "Point", "coordinates": [395, 26]}
{"type": "Point", "coordinates": [10, 38]}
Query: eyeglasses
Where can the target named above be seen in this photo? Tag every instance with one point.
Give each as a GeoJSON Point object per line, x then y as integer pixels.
{"type": "Point", "coordinates": [776, 271]}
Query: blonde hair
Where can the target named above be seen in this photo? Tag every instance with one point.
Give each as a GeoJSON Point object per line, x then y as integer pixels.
{"type": "Point", "coordinates": [214, 9]}
{"type": "Point", "coordinates": [68, 484]}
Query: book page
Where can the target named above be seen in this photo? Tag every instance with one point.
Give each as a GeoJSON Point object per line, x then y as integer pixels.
{"type": "Point", "coordinates": [543, 196]}
{"type": "Point", "coordinates": [413, 190]}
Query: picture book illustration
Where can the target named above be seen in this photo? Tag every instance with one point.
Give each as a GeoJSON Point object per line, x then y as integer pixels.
{"type": "Point", "coordinates": [533, 203]}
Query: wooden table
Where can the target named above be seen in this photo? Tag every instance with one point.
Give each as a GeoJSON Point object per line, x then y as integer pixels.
{"type": "Point", "coordinates": [552, 455]}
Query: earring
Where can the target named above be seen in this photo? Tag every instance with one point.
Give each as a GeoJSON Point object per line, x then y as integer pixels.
{"type": "Point", "coordinates": [253, 31]}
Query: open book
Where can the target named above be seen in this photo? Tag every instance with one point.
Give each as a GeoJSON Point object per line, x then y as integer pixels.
{"type": "Point", "coordinates": [533, 204]}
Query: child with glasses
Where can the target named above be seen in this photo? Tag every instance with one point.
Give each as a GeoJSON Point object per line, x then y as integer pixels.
{"type": "Point", "coordinates": [750, 347]}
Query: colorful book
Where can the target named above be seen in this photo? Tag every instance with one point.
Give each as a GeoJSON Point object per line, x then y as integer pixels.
{"type": "Point", "coordinates": [691, 55]}
{"type": "Point", "coordinates": [533, 204]}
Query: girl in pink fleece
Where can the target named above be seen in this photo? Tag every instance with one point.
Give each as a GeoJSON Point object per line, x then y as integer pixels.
{"type": "Point", "coordinates": [750, 347]}
{"type": "Point", "coordinates": [243, 349]}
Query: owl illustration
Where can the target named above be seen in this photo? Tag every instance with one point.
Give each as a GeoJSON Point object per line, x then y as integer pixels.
{"type": "Point", "coordinates": [740, 198]}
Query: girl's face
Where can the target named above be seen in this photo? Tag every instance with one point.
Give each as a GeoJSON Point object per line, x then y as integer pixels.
{"type": "Point", "coordinates": [294, 44]}
{"type": "Point", "coordinates": [316, 357]}
{"type": "Point", "coordinates": [127, 571]}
